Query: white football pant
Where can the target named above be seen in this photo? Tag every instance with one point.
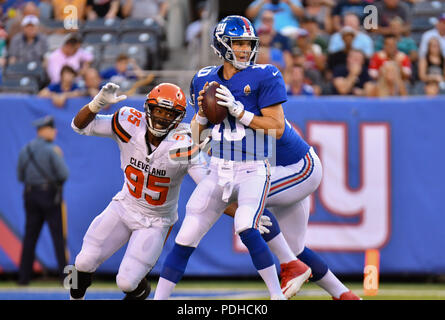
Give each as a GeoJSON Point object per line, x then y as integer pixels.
{"type": "Point", "coordinates": [228, 181]}
{"type": "Point", "coordinates": [109, 231]}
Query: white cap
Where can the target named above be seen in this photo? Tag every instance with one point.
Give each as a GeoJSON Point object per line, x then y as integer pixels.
{"type": "Point", "coordinates": [31, 19]}
{"type": "Point", "coordinates": [348, 29]}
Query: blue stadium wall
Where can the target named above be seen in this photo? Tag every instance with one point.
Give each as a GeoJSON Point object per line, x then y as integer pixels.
{"type": "Point", "coordinates": [383, 185]}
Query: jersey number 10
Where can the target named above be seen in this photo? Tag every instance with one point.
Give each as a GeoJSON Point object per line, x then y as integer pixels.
{"type": "Point", "coordinates": [158, 194]}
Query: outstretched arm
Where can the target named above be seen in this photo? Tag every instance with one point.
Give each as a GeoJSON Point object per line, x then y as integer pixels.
{"type": "Point", "coordinates": [107, 95]}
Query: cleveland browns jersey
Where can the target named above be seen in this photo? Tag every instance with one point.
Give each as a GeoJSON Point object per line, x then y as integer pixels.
{"type": "Point", "coordinates": [152, 176]}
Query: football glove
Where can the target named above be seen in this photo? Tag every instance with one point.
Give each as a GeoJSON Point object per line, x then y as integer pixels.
{"type": "Point", "coordinates": [228, 100]}
{"type": "Point", "coordinates": [106, 96]}
{"type": "Point", "coordinates": [264, 223]}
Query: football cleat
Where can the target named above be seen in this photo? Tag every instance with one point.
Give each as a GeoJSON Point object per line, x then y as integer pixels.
{"type": "Point", "coordinates": [293, 275]}
{"type": "Point", "coordinates": [141, 292]}
{"type": "Point", "coordinates": [348, 296]}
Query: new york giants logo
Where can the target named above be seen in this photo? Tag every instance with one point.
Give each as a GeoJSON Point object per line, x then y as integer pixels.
{"type": "Point", "coordinates": [345, 218]}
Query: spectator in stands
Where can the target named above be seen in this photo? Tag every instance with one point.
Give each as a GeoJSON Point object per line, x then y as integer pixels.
{"type": "Point", "coordinates": [438, 32]}
{"type": "Point", "coordinates": [352, 78]}
{"type": "Point", "coordinates": [124, 69]}
{"type": "Point", "coordinates": [405, 43]}
{"type": "Point", "coordinates": [279, 41]}
{"type": "Point", "coordinates": [313, 76]}
{"type": "Point", "coordinates": [69, 54]}
{"type": "Point", "coordinates": [388, 10]}
{"type": "Point", "coordinates": [319, 11]}
{"type": "Point", "coordinates": [59, 9]}
{"type": "Point", "coordinates": [390, 82]}
{"type": "Point", "coordinates": [296, 85]}
{"type": "Point", "coordinates": [344, 7]}
{"type": "Point", "coordinates": [92, 82]}
{"type": "Point", "coordinates": [66, 88]}
{"type": "Point", "coordinates": [46, 9]}
{"type": "Point", "coordinates": [432, 66]}
{"type": "Point", "coordinates": [313, 54]}
{"type": "Point", "coordinates": [28, 45]}
{"type": "Point", "coordinates": [107, 9]}
{"type": "Point", "coordinates": [339, 57]}
{"type": "Point", "coordinates": [316, 36]}
{"type": "Point", "coordinates": [193, 36]}
{"type": "Point", "coordinates": [287, 12]}
{"type": "Point", "coordinates": [14, 25]}
{"type": "Point", "coordinates": [142, 9]}
{"type": "Point", "coordinates": [268, 54]}
{"type": "Point", "coordinates": [361, 41]}
{"type": "Point", "coordinates": [390, 52]}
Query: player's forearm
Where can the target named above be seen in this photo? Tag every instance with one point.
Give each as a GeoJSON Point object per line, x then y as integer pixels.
{"type": "Point", "coordinates": [84, 117]}
{"type": "Point", "coordinates": [197, 130]}
{"type": "Point", "coordinates": [270, 125]}
{"type": "Point", "coordinates": [231, 209]}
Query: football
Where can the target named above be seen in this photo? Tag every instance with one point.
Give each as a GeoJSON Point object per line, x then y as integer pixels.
{"type": "Point", "coordinates": [213, 111]}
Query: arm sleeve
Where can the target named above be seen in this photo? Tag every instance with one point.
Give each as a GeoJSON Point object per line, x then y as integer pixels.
{"type": "Point", "coordinates": [101, 126]}
{"type": "Point", "coordinates": [273, 88]}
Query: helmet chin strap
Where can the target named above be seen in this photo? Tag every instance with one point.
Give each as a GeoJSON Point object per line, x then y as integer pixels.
{"type": "Point", "coordinates": [156, 133]}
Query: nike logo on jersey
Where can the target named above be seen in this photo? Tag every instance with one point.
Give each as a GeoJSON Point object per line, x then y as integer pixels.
{"type": "Point", "coordinates": [275, 73]}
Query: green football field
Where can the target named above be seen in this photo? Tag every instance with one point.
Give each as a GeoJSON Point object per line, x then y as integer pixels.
{"type": "Point", "coordinates": [219, 289]}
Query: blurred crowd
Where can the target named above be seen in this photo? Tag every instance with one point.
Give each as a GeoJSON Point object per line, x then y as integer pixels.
{"type": "Point", "coordinates": [67, 48]}
{"type": "Point", "coordinates": [322, 47]}
{"type": "Point", "coordinates": [327, 47]}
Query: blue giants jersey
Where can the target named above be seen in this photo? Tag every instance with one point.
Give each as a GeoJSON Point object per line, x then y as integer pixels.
{"type": "Point", "coordinates": [256, 87]}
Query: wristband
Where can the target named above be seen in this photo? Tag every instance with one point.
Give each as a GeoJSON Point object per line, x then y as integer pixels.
{"type": "Point", "coordinates": [201, 120]}
{"type": "Point", "coordinates": [94, 107]}
{"type": "Point", "coordinates": [247, 118]}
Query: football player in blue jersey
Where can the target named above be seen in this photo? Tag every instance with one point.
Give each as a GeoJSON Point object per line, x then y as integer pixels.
{"type": "Point", "coordinates": [253, 95]}
{"type": "Point", "coordinates": [239, 165]}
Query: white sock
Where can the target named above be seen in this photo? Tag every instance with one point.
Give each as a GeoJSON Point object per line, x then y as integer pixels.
{"type": "Point", "coordinates": [280, 248]}
{"type": "Point", "coordinates": [164, 289]}
{"type": "Point", "coordinates": [332, 285]}
{"type": "Point", "coordinates": [270, 277]}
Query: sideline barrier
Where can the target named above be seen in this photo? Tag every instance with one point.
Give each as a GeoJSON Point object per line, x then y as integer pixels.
{"type": "Point", "coordinates": [382, 187]}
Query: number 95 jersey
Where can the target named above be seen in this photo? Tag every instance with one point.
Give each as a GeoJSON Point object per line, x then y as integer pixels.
{"type": "Point", "coordinates": [153, 176]}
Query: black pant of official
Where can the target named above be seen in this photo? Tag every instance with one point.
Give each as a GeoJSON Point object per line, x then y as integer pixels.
{"type": "Point", "coordinates": [40, 207]}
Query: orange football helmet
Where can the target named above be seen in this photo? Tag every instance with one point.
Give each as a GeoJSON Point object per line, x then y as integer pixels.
{"type": "Point", "coordinates": [172, 99]}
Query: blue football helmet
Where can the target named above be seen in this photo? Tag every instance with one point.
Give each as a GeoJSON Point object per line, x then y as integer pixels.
{"type": "Point", "coordinates": [233, 28]}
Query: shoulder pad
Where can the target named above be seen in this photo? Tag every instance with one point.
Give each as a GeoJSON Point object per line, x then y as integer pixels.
{"type": "Point", "coordinates": [126, 121]}
{"type": "Point", "coordinates": [205, 71]}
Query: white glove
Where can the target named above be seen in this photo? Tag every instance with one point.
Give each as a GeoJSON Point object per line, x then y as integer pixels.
{"type": "Point", "coordinates": [264, 223]}
{"type": "Point", "coordinates": [228, 101]}
{"type": "Point", "coordinates": [106, 96]}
